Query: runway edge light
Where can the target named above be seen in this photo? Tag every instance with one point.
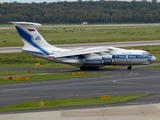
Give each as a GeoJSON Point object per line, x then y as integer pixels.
{"type": "Point", "coordinates": [105, 97]}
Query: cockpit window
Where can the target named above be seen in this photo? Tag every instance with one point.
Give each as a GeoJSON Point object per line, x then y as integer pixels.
{"type": "Point", "coordinates": [146, 53]}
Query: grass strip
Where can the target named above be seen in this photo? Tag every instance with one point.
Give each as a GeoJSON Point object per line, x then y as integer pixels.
{"type": "Point", "coordinates": [50, 76]}
{"type": "Point", "coordinates": [152, 66]}
{"type": "Point", "coordinates": [75, 34]}
{"type": "Point", "coordinates": [16, 72]}
{"type": "Point", "coordinates": [71, 102]}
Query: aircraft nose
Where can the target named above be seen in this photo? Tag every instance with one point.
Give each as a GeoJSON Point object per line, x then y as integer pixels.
{"type": "Point", "coordinates": [153, 58]}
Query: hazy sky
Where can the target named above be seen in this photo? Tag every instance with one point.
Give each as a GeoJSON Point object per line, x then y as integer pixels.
{"type": "Point", "coordinates": [29, 1]}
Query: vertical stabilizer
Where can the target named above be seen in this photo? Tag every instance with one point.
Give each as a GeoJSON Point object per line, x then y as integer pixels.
{"type": "Point", "coordinates": [33, 41]}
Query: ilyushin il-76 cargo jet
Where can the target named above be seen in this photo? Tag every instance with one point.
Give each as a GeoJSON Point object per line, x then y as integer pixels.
{"type": "Point", "coordinates": [84, 58]}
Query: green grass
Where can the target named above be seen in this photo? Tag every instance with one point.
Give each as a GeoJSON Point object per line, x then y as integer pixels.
{"type": "Point", "coordinates": [48, 76]}
{"type": "Point", "coordinates": [75, 34]}
{"type": "Point", "coordinates": [60, 103]}
{"type": "Point", "coordinates": [11, 72]}
{"type": "Point", "coordinates": [26, 60]}
{"type": "Point", "coordinates": [16, 72]}
{"type": "Point", "coordinates": [152, 66]}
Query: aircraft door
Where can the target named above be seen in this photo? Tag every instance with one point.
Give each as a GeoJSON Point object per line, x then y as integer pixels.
{"type": "Point", "coordinates": [128, 59]}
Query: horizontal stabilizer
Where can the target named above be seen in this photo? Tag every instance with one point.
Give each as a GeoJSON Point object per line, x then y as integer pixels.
{"type": "Point", "coordinates": [25, 23]}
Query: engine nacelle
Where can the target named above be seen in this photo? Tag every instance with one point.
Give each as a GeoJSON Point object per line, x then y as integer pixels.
{"type": "Point", "coordinates": [102, 58]}
{"type": "Point", "coordinates": [94, 59]}
{"type": "Point", "coordinates": [106, 58]}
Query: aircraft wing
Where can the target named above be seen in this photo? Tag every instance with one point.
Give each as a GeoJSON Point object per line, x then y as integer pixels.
{"type": "Point", "coordinates": [81, 52]}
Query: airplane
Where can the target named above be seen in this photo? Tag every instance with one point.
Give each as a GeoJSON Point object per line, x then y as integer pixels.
{"type": "Point", "coordinates": [85, 58]}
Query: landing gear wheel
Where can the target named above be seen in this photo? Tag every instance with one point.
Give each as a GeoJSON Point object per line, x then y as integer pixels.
{"type": "Point", "coordinates": [96, 68]}
{"type": "Point", "coordinates": [82, 68]}
{"type": "Point", "coordinates": [88, 68]}
{"type": "Point", "coordinates": [129, 67]}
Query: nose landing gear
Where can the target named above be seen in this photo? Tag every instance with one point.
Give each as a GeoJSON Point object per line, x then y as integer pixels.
{"type": "Point", "coordinates": [129, 67]}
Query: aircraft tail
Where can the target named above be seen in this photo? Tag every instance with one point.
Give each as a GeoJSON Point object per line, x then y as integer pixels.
{"type": "Point", "coordinates": [34, 43]}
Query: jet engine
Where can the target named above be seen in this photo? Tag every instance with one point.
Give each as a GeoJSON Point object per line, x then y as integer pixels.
{"type": "Point", "coordinates": [106, 58]}
{"type": "Point", "coordinates": [92, 59]}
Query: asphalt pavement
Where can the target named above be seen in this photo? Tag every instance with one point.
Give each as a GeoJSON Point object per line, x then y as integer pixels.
{"type": "Point", "coordinates": [120, 81]}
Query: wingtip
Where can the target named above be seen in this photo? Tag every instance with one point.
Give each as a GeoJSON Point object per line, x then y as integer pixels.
{"type": "Point", "coordinates": [8, 22]}
{"type": "Point", "coordinates": [24, 23]}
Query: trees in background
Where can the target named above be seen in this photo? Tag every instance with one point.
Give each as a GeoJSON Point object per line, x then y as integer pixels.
{"type": "Point", "coordinates": [77, 12]}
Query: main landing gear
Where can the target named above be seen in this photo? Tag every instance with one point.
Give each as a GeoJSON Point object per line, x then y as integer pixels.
{"type": "Point", "coordinates": [88, 68]}
{"type": "Point", "coordinates": [129, 67]}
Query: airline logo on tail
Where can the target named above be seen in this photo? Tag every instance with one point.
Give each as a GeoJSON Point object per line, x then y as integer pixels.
{"type": "Point", "coordinates": [31, 39]}
{"type": "Point", "coordinates": [36, 38]}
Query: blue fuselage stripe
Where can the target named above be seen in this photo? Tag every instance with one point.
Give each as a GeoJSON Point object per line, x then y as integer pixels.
{"type": "Point", "coordinates": [130, 56]}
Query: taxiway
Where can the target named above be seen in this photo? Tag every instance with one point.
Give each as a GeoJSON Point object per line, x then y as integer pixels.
{"type": "Point", "coordinates": [120, 81]}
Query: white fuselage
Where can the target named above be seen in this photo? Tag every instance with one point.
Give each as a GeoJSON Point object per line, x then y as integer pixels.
{"type": "Point", "coordinates": [116, 56]}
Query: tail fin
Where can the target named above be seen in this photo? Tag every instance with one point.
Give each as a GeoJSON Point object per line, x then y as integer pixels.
{"type": "Point", "coordinates": [34, 43]}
